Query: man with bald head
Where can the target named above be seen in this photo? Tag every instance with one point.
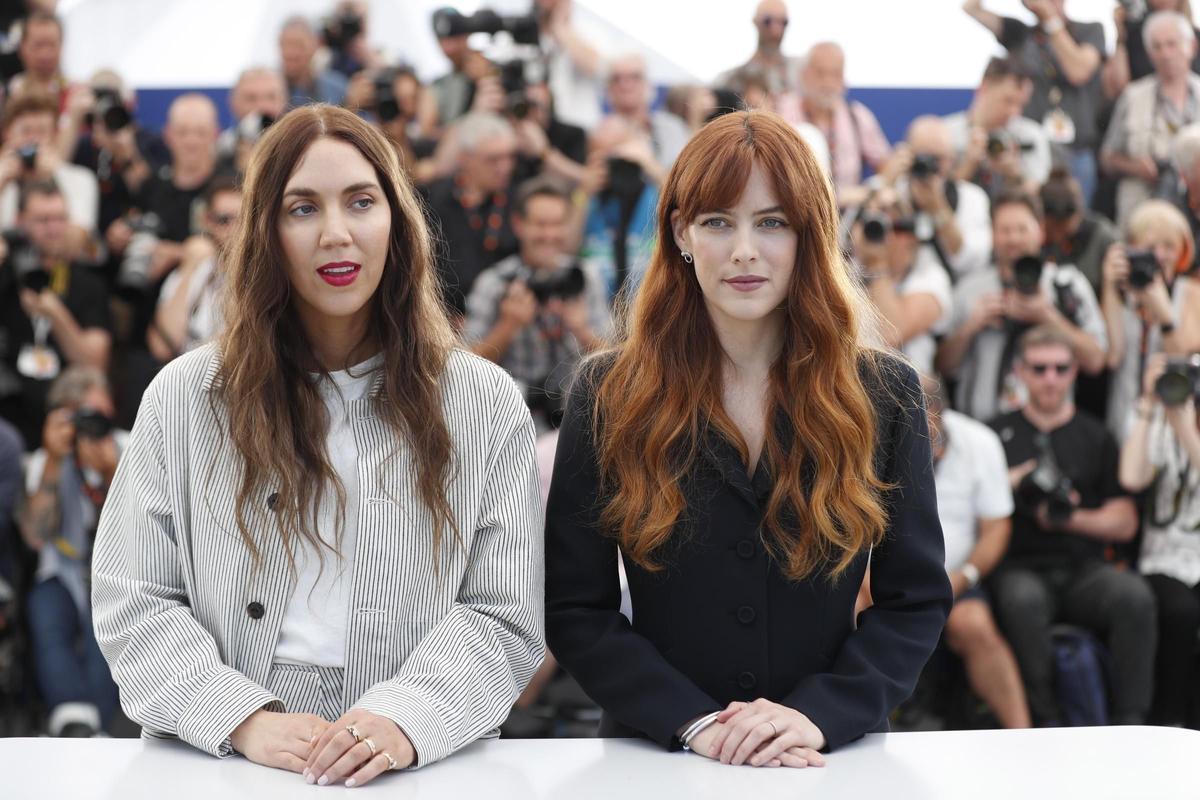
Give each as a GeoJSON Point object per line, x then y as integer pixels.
{"type": "Point", "coordinates": [851, 130]}
{"type": "Point", "coordinates": [953, 217]}
{"type": "Point", "coordinates": [768, 63]}
{"type": "Point", "coordinates": [298, 46]}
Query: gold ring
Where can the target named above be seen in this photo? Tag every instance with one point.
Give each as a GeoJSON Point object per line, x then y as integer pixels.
{"type": "Point", "coordinates": [370, 745]}
{"type": "Point", "coordinates": [354, 732]}
{"type": "Point", "coordinates": [392, 763]}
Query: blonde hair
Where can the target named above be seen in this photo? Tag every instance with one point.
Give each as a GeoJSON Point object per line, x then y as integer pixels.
{"type": "Point", "coordinates": [1159, 215]}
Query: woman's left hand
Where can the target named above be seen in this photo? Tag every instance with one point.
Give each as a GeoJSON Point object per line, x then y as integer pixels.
{"type": "Point", "coordinates": [759, 732]}
{"type": "Point", "coordinates": [339, 756]}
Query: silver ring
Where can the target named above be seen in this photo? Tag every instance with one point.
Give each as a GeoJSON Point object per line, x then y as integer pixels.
{"type": "Point", "coordinates": [392, 763]}
{"type": "Point", "coordinates": [370, 745]}
{"type": "Point", "coordinates": [354, 732]}
{"type": "Point", "coordinates": [775, 731]}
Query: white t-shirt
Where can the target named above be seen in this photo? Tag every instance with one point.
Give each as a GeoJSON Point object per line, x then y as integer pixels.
{"type": "Point", "coordinates": [79, 188]}
{"type": "Point", "coordinates": [927, 277]}
{"type": "Point", "coordinates": [204, 315]}
{"type": "Point", "coordinates": [1170, 542]}
{"type": "Point", "coordinates": [313, 631]}
{"type": "Point", "coordinates": [1035, 156]}
{"type": "Point", "coordinates": [972, 484]}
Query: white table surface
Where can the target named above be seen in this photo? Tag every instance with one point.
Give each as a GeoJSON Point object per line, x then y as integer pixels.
{"type": "Point", "coordinates": [1130, 763]}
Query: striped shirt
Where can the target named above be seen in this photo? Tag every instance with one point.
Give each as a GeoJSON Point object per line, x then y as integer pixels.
{"type": "Point", "coordinates": [189, 628]}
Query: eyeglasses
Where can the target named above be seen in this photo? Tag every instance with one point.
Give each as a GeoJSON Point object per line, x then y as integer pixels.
{"type": "Point", "coordinates": [767, 21]}
{"type": "Point", "coordinates": [1060, 368]}
{"type": "Point", "coordinates": [223, 219]}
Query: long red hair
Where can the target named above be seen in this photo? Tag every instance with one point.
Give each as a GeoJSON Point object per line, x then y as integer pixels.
{"type": "Point", "coordinates": [662, 394]}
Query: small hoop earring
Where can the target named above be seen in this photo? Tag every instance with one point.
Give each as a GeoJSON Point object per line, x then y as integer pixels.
{"type": "Point", "coordinates": [686, 256]}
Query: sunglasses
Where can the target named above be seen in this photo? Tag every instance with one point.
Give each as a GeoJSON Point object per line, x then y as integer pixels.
{"type": "Point", "coordinates": [768, 21]}
{"type": "Point", "coordinates": [1041, 369]}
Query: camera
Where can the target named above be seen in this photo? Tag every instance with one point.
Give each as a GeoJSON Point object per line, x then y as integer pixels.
{"type": "Point", "coordinates": [515, 78]}
{"type": "Point", "coordinates": [925, 165]}
{"type": "Point", "coordinates": [91, 424]}
{"type": "Point", "coordinates": [341, 29]}
{"type": "Point", "coordinates": [998, 142]}
{"type": "Point", "coordinates": [1179, 381]}
{"type": "Point", "coordinates": [110, 110]}
{"type": "Point", "coordinates": [876, 226]}
{"type": "Point", "coordinates": [387, 107]}
{"type": "Point", "coordinates": [1027, 274]}
{"type": "Point", "coordinates": [23, 260]}
{"type": "Point", "coordinates": [134, 272]}
{"type": "Point", "coordinates": [1048, 484]}
{"type": "Point", "coordinates": [563, 285]}
{"type": "Point", "coordinates": [1143, 266]}
{"type": "Point", "coordinates": [28, 155]}
{"type": "Point", "coordinates": [253, 126]}
{"type": "Point", "coordinates": [523, 29]}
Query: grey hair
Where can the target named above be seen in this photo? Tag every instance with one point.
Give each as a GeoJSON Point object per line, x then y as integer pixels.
{"type": "Point", "coordinates": [1181, 22]}
{"type": "Point", "coordinates": [1185, 149]}
{"type": "Point", "coordinates": [73, 384]}
{"type": "Point", "coordinates": [298, 21]}
{"type": "Point", "coordinates": [258, 70]}
{"type": "Point", "coordinates": [480, 126]}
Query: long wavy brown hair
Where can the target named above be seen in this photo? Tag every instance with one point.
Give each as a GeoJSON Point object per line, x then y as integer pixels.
{"type": "Point", "coordinates": [662, 394]}
{"type": "Point", "coordinates": [276, 417]}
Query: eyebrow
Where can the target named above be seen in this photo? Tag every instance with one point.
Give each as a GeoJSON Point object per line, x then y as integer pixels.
{"type": "Point", "coordinates": [760, 212]}
{"type": "Point", "coordinates": [304, 191]}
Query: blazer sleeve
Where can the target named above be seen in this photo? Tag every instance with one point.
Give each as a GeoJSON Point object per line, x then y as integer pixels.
{"type": "Point", "coordinates": [617, 667]}
{"type": "Point", "coordinates": [462, 679]}
{"type": "Point", "coordinates": [170, 673]}
{"type": "Point", "coordinates": [879, 663]}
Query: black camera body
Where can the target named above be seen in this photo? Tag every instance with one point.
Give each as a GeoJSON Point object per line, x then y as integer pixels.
{"type": "Point", "coordinates": [387, 107]}
{"type": "Point", "coordinates": [448, 22]}
{"type": "Point", "coordinates": [1143, 266]}
{"type": "Point", "coordinates": [925, 165]}
{"type": "Point", "coordinates": [111, 110]}
{"type": "Point", "coordinates": [92, 424]}
{"type": "Point", "coordinates": [28, 155]}
{"type": "Point", "coordinates": [1027, 274]}
{"type": "Point", "coordinates": [341, 30]}
{"type": "Point", "coordinates": [1048, 485]}
{"type": "Point", "coordinates": [560, 284]}
{"type": "Point", "coordinates": [877, 226]}
{"type": "Point", "coordinates": [1179, 381]}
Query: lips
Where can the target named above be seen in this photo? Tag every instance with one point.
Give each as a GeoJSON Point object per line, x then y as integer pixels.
{"type": "Point", "coordinates": [746, 283]}
{"type": "Point", "coordinates": [339, 273]}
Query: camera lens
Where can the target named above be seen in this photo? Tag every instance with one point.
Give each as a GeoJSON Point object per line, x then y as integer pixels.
{"type": "Point", "coordinates": [1174, 386]}
{"type": "Point", "coordinates": [1027, 274]}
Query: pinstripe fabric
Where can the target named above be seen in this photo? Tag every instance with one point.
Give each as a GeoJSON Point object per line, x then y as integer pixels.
{"type": "Point", "coordinates": [173, 587]}
{"type": "Point", "coordinates": [308, 689]}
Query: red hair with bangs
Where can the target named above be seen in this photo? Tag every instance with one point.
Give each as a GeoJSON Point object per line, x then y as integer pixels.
{"type": "Point", "coordinates": [662, 394]}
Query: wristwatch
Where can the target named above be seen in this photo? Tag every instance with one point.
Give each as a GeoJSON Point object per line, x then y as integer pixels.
{"type": "Point", "coordinates": [971, 573]}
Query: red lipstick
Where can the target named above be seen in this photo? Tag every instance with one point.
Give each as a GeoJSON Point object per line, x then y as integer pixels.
{"type": "Point", "coordinates": [339, 273]}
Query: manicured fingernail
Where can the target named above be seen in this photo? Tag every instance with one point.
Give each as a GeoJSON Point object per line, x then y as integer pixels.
{"type": "Point", "coordinates": [310, 778]}
{"type": "Point", "coordinates": [324, 780]}
{"type": "Point", "coordinates": [350, 783]}
{"type": "Point", "coordinates": [305, 773]}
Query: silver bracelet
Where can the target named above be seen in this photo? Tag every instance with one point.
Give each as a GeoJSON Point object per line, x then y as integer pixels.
{"type": "Point", "coordinates": [696, 727]}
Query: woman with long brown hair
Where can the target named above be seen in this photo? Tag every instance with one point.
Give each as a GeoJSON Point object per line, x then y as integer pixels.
{"type": "Point", "coordinates": [321, 549]}
{"type": "Point", "coordinates": [746, 452]}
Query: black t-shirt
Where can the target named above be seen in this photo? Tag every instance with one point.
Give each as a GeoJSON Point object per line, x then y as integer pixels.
{"type": "Point", "coordinates": [115, 197]}
{"type": "Point", "coordinates": [467, 241]}
{"type": "Point", "coordinates": [23, 399]}
{"type": "Point", "coordinates": [1087, 453]}
{"type": "Point", "coordinates": [569, 140]}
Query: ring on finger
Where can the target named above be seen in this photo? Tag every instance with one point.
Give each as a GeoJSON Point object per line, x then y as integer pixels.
{"type": "Point", "coordinates": [354, 732]}
{"type": "Point", "coordinates": [774, 730]}
{"type": "Point", "coordinates": [370, 745]}
{"type": "Point", "coordinates": [392, 763]}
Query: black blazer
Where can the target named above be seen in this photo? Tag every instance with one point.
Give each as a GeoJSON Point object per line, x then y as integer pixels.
{"type": "Point", "coordinates": [721, 622]}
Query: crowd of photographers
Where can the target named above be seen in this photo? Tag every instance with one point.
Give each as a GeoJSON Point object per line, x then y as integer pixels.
{"type": "Point", "coordinates": [1034, 256]}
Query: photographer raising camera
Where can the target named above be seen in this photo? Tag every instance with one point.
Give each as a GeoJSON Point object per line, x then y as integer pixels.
{"type": "Point", "coordinates": [537, 313]}
{"type": "Point", "coordinates": [1149, 305]}
{"type": "Point", "coordinates": [1162, 454]}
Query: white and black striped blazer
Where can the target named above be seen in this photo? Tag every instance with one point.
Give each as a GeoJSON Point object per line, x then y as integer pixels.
{"type": "Point", "coordinates": [189, 628]}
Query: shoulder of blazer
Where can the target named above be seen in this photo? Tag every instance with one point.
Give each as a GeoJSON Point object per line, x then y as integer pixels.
{"type": "Point", "coordinates": [479, 391]}
{"type": "Point", "coordinates": [893, 386]}
{"type": "Point", "coordinates": [185, 375]}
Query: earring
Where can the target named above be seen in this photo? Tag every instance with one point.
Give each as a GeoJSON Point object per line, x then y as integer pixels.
{"type": "Point", "coordinates": [686, 256]}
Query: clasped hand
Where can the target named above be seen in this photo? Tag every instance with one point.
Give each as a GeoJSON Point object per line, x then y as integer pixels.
{"type": "Point", "coordinates": [762, 734]}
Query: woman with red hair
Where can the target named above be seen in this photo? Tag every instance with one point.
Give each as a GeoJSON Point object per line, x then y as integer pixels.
{"type": "Point", "coordinates": [746, 451]}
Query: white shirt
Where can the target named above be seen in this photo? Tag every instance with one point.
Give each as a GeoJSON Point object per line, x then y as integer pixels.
{"type": "Point", "coordinates": [1170, 542]}
{"type": "Point", "coordinates": [204, 313]}
{"type": "Point", "coordinates": [927, 277]}
{"type": "Point", "coordinates": [79, 188]}
{"type": "Point", "coordinates": [314, 626]}
{"type": "Point", "coordinates": [972, 484]}
{"type": "Point", "coordinates": [1035, 156]}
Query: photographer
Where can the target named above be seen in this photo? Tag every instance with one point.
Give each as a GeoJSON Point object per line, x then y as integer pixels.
{"type": "Point", "coordinates": [546, 143]}
{"type": "Point", "coordinates": [470, 209]}
{"type": "Point", "coordinates": [188, 311]}
{"type": "Point", "coordinates": [574, 65]}
{"type": "Point", "coordinates": [1149, 306]}
{"type": "Point", "coordinates": [298, 45]}
{"type": "Point", "coordinates": [998, 148]}
{"type": "Point", "coordinates": [953, 216]}
{"type": "Point", "coordinates": [1185, 153]}
{"type": "Point", "coordinates": [1074, 234]}
{"type": "Point", "coordinates": [40, 51]}
{"type": "Point", "coordinates": [1069, 508]}
{"type": "Point", "coordinates": [537, 313]}
{"type": "Point", "coordinates": [905, 282]}
{"type": "Point", "coordinates": [395, 99]}
{"type": "Point", "coordinates": [1063, 58]}
{"type": "Point", "coordinates": [1137, 147]}
{"type": "Point", "coordinates": [631, 97]}
{"type": "Point", "coordinates": [258, 98]}
{"type": "Point", "coordinates": [1162, 454]}
{"type": "Point", "coordinates": [65, 483]}
{"type": "Point", "coordinates": [53, 312]}
{"type": "Point", "coordinates": [1129, 60]}
{"type": "Point", "coordinates": [30, 154]}
{"type": "Point", "coordinates": [345, 34]}
{"type": "Point", "coordinates": [617, 225]}
{"type": "Point", "coordinates": [994, 306]}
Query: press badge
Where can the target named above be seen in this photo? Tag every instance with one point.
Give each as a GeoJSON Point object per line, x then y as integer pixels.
{"type": "Point", "coordinates": [39, 362]}
{"type": "Point", "coordinates": [1059, 127]}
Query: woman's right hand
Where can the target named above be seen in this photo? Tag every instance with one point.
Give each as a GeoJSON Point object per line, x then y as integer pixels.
{"type": "Point", "coordinates": [282, 741]}
{"type": "Point", "coordinates": [1156, 365]}
{"type": "Point", "coordinates": [1115, 268]}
